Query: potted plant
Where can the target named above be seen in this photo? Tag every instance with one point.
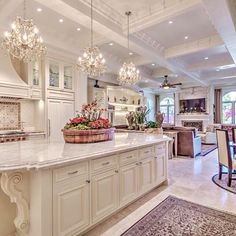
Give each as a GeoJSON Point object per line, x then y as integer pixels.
{"type": "Point", "coordinates": [88, 126]}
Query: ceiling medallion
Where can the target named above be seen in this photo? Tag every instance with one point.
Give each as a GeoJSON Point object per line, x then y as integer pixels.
{"type": "Point", "coordinates": [128, 74]}
{"type": "Point", "coordinates": [24, 42]}
{"type": "Point", "coordinates": [92, 62]}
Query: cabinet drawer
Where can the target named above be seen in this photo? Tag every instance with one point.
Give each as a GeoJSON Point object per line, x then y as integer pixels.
{"type": "Point", "coordinates": [160, 148]}
{"type": "Point", "coordinates": [67, 172]}
{"type": "Point", "coordinates": [146, 152]}
{"type": "Point", "coordinates": [128, 157]}
{"type": "Point", "coordinates": [104, 163]}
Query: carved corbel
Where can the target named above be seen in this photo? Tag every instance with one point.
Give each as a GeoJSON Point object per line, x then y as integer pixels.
{"type": "Point", "coordinates": [10, 185]}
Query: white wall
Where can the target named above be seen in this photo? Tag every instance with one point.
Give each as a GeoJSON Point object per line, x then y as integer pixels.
{"type": "Point", "coordinates": [32, 114]}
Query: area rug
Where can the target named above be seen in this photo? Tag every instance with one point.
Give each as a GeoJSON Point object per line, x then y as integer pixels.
{"type": "Point", "coordinates": [207, 148]}
{"type": "Point", "coordinates": [176, 217]}
{"type": "Point", "coordinates": [223, 182]}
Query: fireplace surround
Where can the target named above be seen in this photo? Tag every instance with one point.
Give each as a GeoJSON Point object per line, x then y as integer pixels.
{"type": "Point", "coordinates": [193, 123]}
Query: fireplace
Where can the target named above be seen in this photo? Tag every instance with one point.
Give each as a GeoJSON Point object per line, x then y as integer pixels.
{"type": "Point", "coordinates": [193, 123]}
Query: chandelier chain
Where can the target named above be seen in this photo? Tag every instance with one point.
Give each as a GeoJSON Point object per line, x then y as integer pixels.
{"type": "Point", "coordinates": [24, 10]}
{"type": "Point", "coordinates": [91, 23]}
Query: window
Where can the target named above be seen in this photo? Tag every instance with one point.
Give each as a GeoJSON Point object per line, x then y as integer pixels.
{"type": "Point", "coordinates": [167, 107]}
{"type": "Point", "coordinates": [228, 108]}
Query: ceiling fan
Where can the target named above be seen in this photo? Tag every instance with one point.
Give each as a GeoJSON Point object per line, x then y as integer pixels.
{"type": "Point", "coordinates": [167, 85]}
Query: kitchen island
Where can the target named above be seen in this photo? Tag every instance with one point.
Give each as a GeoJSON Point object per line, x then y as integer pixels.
{"type": "Point", "coordinates": [65, 189]}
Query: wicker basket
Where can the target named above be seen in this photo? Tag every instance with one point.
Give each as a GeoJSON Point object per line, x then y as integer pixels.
{"type": "Point", "coordinates": [88, 136]}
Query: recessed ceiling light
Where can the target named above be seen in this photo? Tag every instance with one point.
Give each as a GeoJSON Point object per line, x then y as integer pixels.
{"type": "Point", "coordinates": [130, 53]}
{"type": "Point", "coordinates": [61, 20]}
{"type": "Point", "coordinates": [170, 22]}
{"type": "Point", "coordinates": [186, 37]}
{"type": "Point", "coordinates": [153, 64]}
{"type": "Point", "coordinates": [39, 9]}
{"type": "Point", "coordinates": [78, 29]}
{"type": "Point", "coordinates": [206, 58]}
{"type": "Point", "coordinates": [111, 43]}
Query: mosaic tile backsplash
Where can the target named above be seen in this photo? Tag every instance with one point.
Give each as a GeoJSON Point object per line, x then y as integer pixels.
{"type": "Point", "coordinates": [9, 115]}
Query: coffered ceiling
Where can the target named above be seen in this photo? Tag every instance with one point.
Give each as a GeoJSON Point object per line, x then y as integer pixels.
{"type": "Point", "coordinates": [193, 41]}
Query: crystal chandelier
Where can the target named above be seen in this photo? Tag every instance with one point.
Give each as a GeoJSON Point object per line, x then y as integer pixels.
{"type": "Point", "coordinates": [92, 62]}
{"type": "Point", "coordinates": [128, 74]}
{"type": "Point", "coordinates": [24, 42]}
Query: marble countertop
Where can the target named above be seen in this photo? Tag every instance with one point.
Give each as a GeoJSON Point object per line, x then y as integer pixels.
{"type": "Point", "coordinates": [43, 153]}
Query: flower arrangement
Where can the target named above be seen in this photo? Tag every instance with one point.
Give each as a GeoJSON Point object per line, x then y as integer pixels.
{"type": "Point", "coordinates": [89, 118]}
{"type": "Point", "coordinates": [137, 119]}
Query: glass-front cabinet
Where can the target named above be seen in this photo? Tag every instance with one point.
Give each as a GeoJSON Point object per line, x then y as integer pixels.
{"type": "Point", "coordinates": [68, 77]}
{"type": "Point", "coordinates": [54, 70]}
{"type": "Point", "coordinates": [36, 74]}
{"type": "Point", "coordinates": [60, 75]}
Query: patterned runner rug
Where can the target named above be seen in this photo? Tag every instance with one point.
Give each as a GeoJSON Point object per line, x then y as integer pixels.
{"type": "Point", "coordinates": [176, 217]}
{"type": "Point", "coordinates": [223, 182]}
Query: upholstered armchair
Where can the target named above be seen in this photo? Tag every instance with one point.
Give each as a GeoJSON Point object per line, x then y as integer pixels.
{"type": "Point", "coordinates": [188, 143]}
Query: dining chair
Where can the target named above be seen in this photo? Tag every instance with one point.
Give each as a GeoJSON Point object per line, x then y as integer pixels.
{"type": "Point", "coordinates": [224, 155]}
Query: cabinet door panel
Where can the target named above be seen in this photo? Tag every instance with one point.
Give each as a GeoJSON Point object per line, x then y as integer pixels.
{"type": "Point", "coordinates": [59, 113]}
{"type": "Point", "coordinates": [160, 168]}
{"type": "Point", "coordinates": [104, 194]}
{"type": "Point", "coordinates": [70, 207]}
{"type": "Point", "coordinates": [146, 175]}
{"type": "Point", "coordinates": [128, 183]}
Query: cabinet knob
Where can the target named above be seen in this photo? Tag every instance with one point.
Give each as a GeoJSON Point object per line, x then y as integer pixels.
{"type": "Point", "coordinates": [116, 171]}
{"type": "Point", "coordinates": [155, 157]}
{"type": "Point", "coordinates": [88, 181]}
{"type": "Point", "coordinates": [137, 163]}
{"type": "Point", "coordinates": [140, 163]}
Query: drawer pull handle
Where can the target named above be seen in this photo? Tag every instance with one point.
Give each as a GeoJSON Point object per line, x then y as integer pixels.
{"type": "Point", "coordinates": [137, 164]}
{"type": "Point", "coordinates": [129, 157]}
{"type": "Point", "coordinates": [88, 181]}
{"type": "Point", "coordinates": [116, 171]}
{"type": "Point", "coordinates": [140, 163]}
{"type": "Point", "coordinates": [106, 163]}
{"type": "Point", "coordinates": [146, 152]}
{"type": "Point", "coordinates": [73, 172]}
{"type": "Point", "coordinates": [155, 157]}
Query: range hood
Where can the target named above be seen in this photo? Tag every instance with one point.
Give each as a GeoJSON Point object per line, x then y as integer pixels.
{"type": "Point", "coordinates": [11, 85]}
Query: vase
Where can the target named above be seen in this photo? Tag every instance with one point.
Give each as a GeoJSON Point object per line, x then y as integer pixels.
{"type": "Point", "coordinates": [88, 136]}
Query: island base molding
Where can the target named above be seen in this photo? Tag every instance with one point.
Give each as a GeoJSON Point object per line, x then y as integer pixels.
{"type": "Point", "coordinates": [97, 188]}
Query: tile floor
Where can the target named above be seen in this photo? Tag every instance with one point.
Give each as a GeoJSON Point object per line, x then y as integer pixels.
{"type": "Point", "coordinates": [189, 179]}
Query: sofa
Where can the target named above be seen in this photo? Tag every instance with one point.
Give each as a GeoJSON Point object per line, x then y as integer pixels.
{"type": "Point", "coordinates": [189, 143]}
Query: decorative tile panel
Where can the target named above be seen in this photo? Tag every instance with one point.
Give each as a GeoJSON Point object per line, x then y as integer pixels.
{"type": "Point", "coordinates": [9, 115]}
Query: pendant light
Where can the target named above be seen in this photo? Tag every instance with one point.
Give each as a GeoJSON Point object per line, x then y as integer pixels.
{"type": "Point", "coordinates": [23, 41]}
{"type": "Point", "coordinates": [128, 74]}
{"type": "Point", "coordinates": [92, 61]}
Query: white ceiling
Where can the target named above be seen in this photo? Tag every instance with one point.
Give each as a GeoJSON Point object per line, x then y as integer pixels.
{"type": "Point", "coordinates": [153, 39]}
{"type": "Point", "coordinates": [195, 24]}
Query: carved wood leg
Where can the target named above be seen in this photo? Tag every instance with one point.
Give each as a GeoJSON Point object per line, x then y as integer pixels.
{"type": "Point", "coordinates": [9, 182]}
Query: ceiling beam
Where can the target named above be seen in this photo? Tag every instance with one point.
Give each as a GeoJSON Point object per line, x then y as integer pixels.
{"type": "Point", "coordinates": [223, 20]}
{"type": "Point", "coordinates": [192, 47]}
{"type": "Point", "coordinates": [165, 12]}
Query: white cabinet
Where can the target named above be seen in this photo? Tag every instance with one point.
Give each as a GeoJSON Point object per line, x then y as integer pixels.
{"type": "Point", "coordinates": [59, 113]}
{"type": "Point", "coordinates": [105, 192]}
{"type": "Point", "coordinates": [71, 206]}
{"type": "Point", "coordinates": [87, 192]}
{"type": "Point", "coordinates": [128, 183]}
{"type": "Point", "coordinates": [146, 175]}
{"type": "Point", "coordinates": [159, 168]}
{"type": "Point", "coordinates": [60, 75]}
{"type": "Point", "coordinates": [160, 165]}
